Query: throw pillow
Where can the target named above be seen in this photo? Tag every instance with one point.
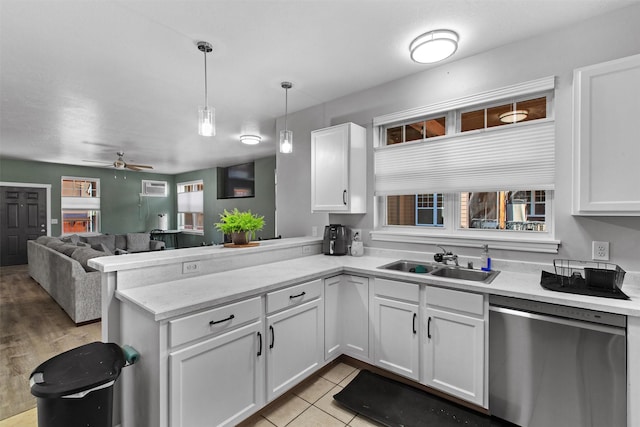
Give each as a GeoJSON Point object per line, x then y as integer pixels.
{"type": "Point", "coordinates": [55, 244]}
{"type": "Point", "coordinates": [43, 240]}
{"type": "Point", "coordinates": [102, 248]}
{"type": "Point", "coordinates": [67, 249]}
{"type": "Point", "coordinates": [138, 242]}
{"type": "Point", "coordinates": [83, 255]}
{"type": "Point", "coordinates": [121, 241]}
{"type": "Point", "coordinates": [108, 239]}
{"type": "Point", "coordinates": [72, 238]}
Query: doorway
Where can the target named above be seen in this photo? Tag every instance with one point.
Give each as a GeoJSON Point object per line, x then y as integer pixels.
{"type": "Point", "coordinates": [23, 216]}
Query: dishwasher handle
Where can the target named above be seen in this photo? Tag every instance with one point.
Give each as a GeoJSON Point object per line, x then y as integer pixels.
{"type": "Point", "coordinates": [560, 320]}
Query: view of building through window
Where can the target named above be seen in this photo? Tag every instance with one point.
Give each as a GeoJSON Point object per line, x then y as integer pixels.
{"type": "Point", "coordinates": [191, 206]}
{"type": "Point", "coordinates": [504, 210]}
{"type": "Point", "coordinates": [80, 203]}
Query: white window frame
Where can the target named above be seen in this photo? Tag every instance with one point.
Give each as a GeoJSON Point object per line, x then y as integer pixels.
{"type": "Point", "coordinates": [80, 203]}
{"type": "Point", "coordinates": [451, 233]}
{"type": "Point", "coordinates": [178, 212]}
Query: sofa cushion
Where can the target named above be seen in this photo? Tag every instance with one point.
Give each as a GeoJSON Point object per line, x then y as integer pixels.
{"type": "Point", "coordinates": [71, 238]}
{"type": "Point", "coordinates": [83, 255]}
{"type": "Point", "coordinates": [121, 241]}
{"type": "Point", "coordinates": [103, 248]}
{"type": "Point", "coordinates": [108, 239]}
{"type": "Point", "coordinates": [53, 244]}
{"type": "Point", "coordinates": [68, 249]}
{"type": "Point", "coordinates": [138, 242]}
{"type": "Point", "coordinates": [43, 240]}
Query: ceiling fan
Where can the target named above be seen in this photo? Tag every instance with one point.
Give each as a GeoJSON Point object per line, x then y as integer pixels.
{"type": "Point", "coordinates": [119, 163]}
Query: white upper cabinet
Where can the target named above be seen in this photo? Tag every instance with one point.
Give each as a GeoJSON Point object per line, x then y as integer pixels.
{"type": "Point", "coordinates": [606, 138]}
{"type": "Point", "coordinates": [339, 169]}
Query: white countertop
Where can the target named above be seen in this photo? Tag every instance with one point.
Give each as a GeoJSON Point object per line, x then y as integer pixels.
{"type": "Point", "coordinates": [179, 297]}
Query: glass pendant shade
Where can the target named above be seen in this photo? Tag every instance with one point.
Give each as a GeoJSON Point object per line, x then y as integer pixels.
{"type": "Point", "coordinates": [207, 121]}
{"type": "Point", "coordinates": [286, 141]}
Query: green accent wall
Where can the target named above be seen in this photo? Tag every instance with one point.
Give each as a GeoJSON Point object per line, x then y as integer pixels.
{"type": "Point", "coordinates": [264, 202]}
{"type": "Point", "coordinates": [123, 210]}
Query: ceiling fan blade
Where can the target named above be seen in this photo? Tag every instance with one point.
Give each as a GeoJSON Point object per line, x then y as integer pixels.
{"type": "Point", "coordinates": [132, 167]}
{"type": "Point", "coordinates": [139, 166]}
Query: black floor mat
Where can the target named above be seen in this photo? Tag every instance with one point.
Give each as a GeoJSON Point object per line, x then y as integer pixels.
{"type": "Point", "coordinates": [395, 404]}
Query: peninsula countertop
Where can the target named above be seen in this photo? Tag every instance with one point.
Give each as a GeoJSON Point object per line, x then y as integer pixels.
{"type": "Point", "coordinates": [179, 297]}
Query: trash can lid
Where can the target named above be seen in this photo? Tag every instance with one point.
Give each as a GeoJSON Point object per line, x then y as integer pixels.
{"type": "Point", "coordinates": [77, 370]}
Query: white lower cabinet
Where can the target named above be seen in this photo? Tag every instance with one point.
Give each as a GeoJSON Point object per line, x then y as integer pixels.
{"type": "Point", "coordinates": [454, 344]}
{"type": "Point", "coordinates": [219, 381]}
{"type": "Point", "coordinates": [294, 336]}
{"type": "Point", "coordinates": [346, 316]}
{"type": "Point", "coordinates": [396, 326]}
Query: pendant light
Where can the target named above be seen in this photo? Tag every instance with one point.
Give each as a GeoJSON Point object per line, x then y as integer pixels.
{"type": "Point", "coordinates": [286, 136]}
{"type": "Point", "coordinates": [206, 115]}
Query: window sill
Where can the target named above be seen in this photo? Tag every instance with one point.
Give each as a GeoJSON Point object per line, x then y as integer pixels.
{"type": "Point", "coordinates": [542, 244]}
{"type": "Point", "coordinates": [194, 232]}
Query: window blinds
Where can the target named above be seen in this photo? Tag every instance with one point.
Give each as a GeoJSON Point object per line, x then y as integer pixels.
{"type": "Point", "coordinates": [513, 157]}
{"type": "Point", "coordinates": [191, 201]}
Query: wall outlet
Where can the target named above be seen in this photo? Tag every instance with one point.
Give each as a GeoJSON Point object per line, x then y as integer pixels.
{"type": "Point", "coordinates": [191, 267]}
{"type": "Point", "coordinates": [600, 251]}
{"type": "Point", "coordinates": [306, 249]}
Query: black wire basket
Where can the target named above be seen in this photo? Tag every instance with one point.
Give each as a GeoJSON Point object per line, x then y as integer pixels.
{"type": "Point", "coordinates": [592, 274]}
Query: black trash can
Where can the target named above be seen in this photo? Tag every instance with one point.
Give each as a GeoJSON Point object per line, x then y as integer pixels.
{"type": "Point", "coordinates": [75, 388]}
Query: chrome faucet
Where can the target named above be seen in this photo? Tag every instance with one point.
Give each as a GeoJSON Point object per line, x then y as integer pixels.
{"type": "Point", "coordinates": [445, 256]}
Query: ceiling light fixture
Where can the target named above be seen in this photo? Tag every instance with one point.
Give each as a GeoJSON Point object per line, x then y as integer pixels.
{"type": "Point", "coordinates": [250, 139]}
{"type": "Point", "coordinates": [286, 136]}
{"type": "Point", "coordinates": [433, 46]}
{"type": "Point", "coordinates": [206, 115]}
{"type": "Point", "coordinates": [513, 116]}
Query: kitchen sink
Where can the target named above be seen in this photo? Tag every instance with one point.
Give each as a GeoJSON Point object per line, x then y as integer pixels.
{"type": "Point", "coordinates": [441, 270]}
{"type": "Point", "coordinates": [410, 266]}
{"type": "Point", "coordinates": [465, 274]}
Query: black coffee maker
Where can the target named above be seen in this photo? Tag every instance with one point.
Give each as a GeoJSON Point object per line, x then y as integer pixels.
{"type": "Point", "coordinates": [335, 240]}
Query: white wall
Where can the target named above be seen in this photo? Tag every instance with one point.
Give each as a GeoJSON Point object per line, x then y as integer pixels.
{"type": "Point", "coordinates": [604, 38]}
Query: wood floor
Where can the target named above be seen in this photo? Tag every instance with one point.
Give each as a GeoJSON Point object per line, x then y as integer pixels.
{"type": "Point", "coordinates": [33, 328]}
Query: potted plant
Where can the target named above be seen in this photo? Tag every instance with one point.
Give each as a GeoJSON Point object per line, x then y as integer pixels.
{"type": "Point", "coordinates": [241, 226]}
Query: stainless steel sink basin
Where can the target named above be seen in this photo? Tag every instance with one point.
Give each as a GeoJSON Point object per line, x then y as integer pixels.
{"type": "Point", "coordinates": [410, 266]}
{"type": "Point", "coordinates": [441, 270]}
{"type": "Point", "coordinates": [465, 274]}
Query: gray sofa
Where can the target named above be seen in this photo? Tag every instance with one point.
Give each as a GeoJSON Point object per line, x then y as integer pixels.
{"type": "Point", "coordinates": [59, 265]}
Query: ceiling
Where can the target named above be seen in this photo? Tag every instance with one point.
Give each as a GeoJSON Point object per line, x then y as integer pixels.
{"type": "Point", "coordinates": [81, 80]}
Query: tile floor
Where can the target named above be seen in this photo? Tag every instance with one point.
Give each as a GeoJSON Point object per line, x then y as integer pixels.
{"type": "Point", "coordinates": [311, 404]}
{"type": "Point", "coordinates": [307, 405]}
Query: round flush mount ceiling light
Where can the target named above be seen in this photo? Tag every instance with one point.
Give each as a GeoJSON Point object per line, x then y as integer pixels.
{"type": "Point", "coordinates": [433, 46]}
{"type": "Point", "coordinates": [513, 116]}
{"type": "Point", "coordinates": [250, 139]}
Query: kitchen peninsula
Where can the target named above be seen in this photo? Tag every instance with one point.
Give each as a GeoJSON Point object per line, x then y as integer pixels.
{"type": "Point", "coordinates": [240, 298]}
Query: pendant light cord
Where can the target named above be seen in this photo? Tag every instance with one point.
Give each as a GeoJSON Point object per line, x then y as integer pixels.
{"type": "Point", "coordinates": [286, 106]}
{"type": "Point", "coordinates": [206, 98]}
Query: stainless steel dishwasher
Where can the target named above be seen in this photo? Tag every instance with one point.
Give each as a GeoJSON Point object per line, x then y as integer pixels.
{"type": "Point", "coordinates": [552, 365]}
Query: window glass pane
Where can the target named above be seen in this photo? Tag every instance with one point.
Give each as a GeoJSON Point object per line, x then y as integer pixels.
{"type": "Point", "coordinates": [495, 115]}
{"type": "Point", "coordinates": [503, 210]}
{"type": "Point", "coordinates": [80, 221]}
{"type": "Point", "coordinates": [191, 221]}
{"type": "Point", "coordinates": [401, 210]}
{"type": "Point", "coordinates": [416, 210]}
{"type": "Point", "coordinates": [535, 108]}
{"type": "Point", "coordinates": [394, 135]}
{"type": "Point", "coordinates": [472, 120]}
{"type": "Point", "coordinates": [79, 188]}
{"type": "Point", "coordinates": [414, 131]}
{"type": "Point", "coordinates": [436, 127]}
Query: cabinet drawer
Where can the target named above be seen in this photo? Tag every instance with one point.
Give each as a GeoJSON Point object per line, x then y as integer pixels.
{"type": "Point", "coordinates": [456, 300]}
{"type": "Point", "coordinates": [293, 295]}
{"type": "Point", "coordinates": [397, 290]}
{"type": "Point", "coordinates": [213, 321]}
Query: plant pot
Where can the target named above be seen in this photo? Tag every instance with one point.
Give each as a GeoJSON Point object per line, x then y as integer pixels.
{"type": "Point", "coordinates": [239, 238]}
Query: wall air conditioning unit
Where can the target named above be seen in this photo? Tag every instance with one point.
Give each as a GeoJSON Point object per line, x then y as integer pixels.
{"type": "Point", "coordinates": [154, 188]}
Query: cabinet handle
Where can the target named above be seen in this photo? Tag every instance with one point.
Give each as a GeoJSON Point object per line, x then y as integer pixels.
{"type": "Point", "coordinates": [414, 322]}
{"type": "Point", "coordinates": [297, 296]}
{"type": "Point", "coordinates": [215, 322]}
{"type": "Point", "coordinates": [344, 197]}
{"type": "Point", "coordinates": [273, 337]}
{"type": "Point", "coordinates": [260, 341]}
{"type": "Point", "coordinates": [429, 328]}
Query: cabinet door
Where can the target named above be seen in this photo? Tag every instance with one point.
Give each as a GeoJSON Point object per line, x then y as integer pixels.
{"type": "Point", "coordinates": [347, 316]}
{"type": "Point", "coordinates": [294, 345]}
{"type": "Point", "coordinates": [330, 169]}
{"type": "Point", "coordinates": [454, 356]}
{"type": "Point", "coordinates": [396, 337]}
{"type": "Point", "coordinates": [220, 381]}
{"type": "Point", "coordinates": [605, 138]}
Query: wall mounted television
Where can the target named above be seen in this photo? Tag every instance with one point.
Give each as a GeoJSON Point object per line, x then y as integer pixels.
{"type": "Point", "coordinates": [237, 181]}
